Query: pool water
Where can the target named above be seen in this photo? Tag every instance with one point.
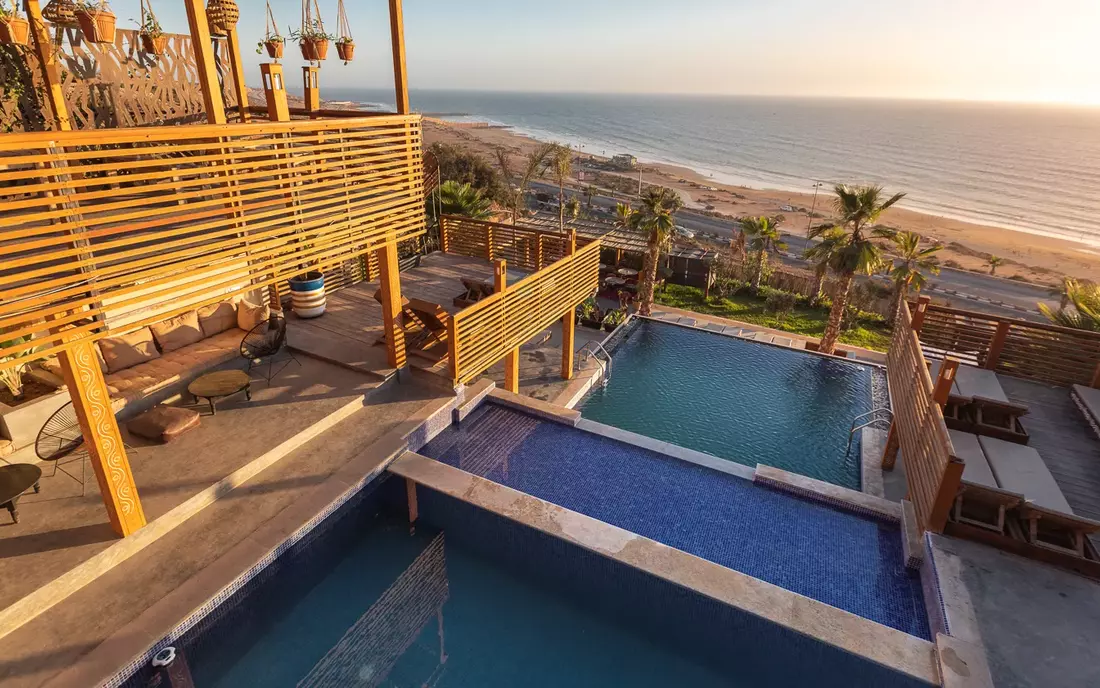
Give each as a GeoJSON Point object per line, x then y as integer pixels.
{"type": "Point", "coordinates": [842, 559]}
{"type": "Point", "coordinates": [390, 607]}
{"type": "Point", "coordinates": [735, 399]}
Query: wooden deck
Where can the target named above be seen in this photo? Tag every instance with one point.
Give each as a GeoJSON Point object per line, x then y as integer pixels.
{"type": "Point", "coordinates": [1062, 436]}
{"type": "Point", "coordinates": [352, 322]}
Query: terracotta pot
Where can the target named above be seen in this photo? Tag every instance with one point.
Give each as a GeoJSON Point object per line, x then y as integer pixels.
{"type": "Point", "coordinates": [154, 45]}
{"type": "Point", "coordinates": [60, 13]}
{"type": "Point", "coordinates": [98, 26]}
{"type": "Point", "coordinates": [15, 31]}
{"type": "Point", "coordinates": [275, 48]}
{"type": "Point", "coordinates": [314, 49]}
{"type": "Point", "coordinates": [346, 51]}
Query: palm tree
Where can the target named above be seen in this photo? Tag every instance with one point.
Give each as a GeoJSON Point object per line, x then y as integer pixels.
{"type": "Point", "coordinates": [654, 219]}
{"type": "Point", "coordinates": [762, 235]}
{"type": "Point", "coordinates": [561, 164]}
{"type": "Point", "coordinates": [851, 250]}
{"type": "Point", "coordinates": [821, 254]}
{"type": "Point", "coordinates": [910, 266]}
{"type": "Point", "coordinates": [624, 216]}
{"type": "Point", "coordinates": [572, 209]}
{"type": "Point", "coordinates": [534, 167]}
{"type": "Point", "coordinates": [1082, 312]}
{"type": "Point", "coordinates": [994, 262]}
{"type": "Point", "coordinates": [1064, 291]}
{"type": "Point", "coordinates": [464, 200]}
{"type": "Point", "coordinates": [589, 194]}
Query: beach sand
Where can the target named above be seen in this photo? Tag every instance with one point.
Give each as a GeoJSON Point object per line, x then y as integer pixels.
{"type": "Point", "coordinates": [1030, 257]}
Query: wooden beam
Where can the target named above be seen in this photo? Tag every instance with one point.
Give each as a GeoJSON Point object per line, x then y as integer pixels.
{"type": "Point", "coordinates": [511, 359]}
{"type": "Point", "coordinates": [237, 66]}
{"type": "Point", "coordinates": [311, 88]}
{"type": "Point", "coordinates": [918, 316]}
{"type": "Point", "coordinates": [997, 345]}
{"type": "Point", "coordinates": [88, 389]}
{"type": "Point", "coordinates": [400, 73]}
{"type": "Point", "coordinates": [204, 61]}
{"type": "Point", "coordinates": [893, 444]}
{"type": "Point", "coordinates": [47, 59]}
{"type": "Point", "coordinates": [945, 382]}
{"type": "Point", "coordinates": [390, 286]}
{"type": "Point", "coordinates": [569, 320]}
{"type": "Point", "coordinates": [950, 482]}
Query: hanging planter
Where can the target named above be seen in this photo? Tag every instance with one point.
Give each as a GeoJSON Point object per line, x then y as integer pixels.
{"type": "Point", "coordinates": [61, 13]}
{"type": "Point", "coordinates": [345, 45]}
{"type": "Point", "coordinates": [222, 15]}
{"type": "Point", "coordinates": [14, 28]}
{"type": "Point", "coordinates": [312, 38]}
{"type": "Point", "coordinates": [273, 42]}
{"type": "Point", "coordinates": [153, 40]}
{"type": "Point", "coordinates": [97, 22]}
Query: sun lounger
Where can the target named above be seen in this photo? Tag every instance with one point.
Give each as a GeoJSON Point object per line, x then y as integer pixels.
{"type": "Point", "coordinates": [475, 291]}
{"type": "Point", "coordinates": [978, 404]}
{"type": "Point", "coordinates": [1020, 469]}
{"type": "Point", "coordinates": [969, 449]}
{"type": "Point", "coordinates": [782, 341]}
{"type": "Point", "coordinates": [980, 501]}
{"type": "Point", "coordinates": [999, 420]}
{"type": "Point", "coordinates": [1056, 530]}
{"type": "Point", "coordinates": [979, 383]}
{"type": "Point", "coordinates": [1089, 399]}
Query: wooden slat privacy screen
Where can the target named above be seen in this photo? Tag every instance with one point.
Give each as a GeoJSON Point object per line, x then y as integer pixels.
{"type": "Point", "coordinates": [105, 231]}
{"type": "Point", "coordinates": [523, 247]}
{"type": "Point", "coordinates": [482, 334]}
{"type": "Point", "coordinates": [926, 447]}
{"type": "Point", "coordinates": [1057, 355]}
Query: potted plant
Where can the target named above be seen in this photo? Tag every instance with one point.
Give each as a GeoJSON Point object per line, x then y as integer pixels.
{"type": "Point", "coordinates": [589, 314]}
{"type": "Point", "coordinates": [345, 45]}
{"type": "Point", "coordinates": [97, 21]}
{"type": "Point", "coordinates": [153, 40]}
{"type": "Point", "coordinates": [613, 319]}
{"type": "Point", "coordinates": [14, 27]}
{"type": "Point", "coordinates": [307, 294]}
{"type": "Point", "coordinates": [313, 41]}
{"type": "Point", "coordinates": [273, 42]}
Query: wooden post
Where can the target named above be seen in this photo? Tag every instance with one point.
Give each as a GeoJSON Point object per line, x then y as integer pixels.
{"type": "Point", "coordinates": [569, 319]}
{"type": "Point", "coordinates": [204, 61]}
{"type": "Point", "coordinates": [410, 494]}
{"type": "Point", "coordinates": [84, 378]}
{"type": "Point", "coordinates": [444, 242]}
{"type": "Point", "coordinates": [452, 349]}
{"type": "Point", "coordinates": [233, 42]}
{"type": "Point", "coordinates": [538, 250]}
{"type": "Point", "coordinates": [311, 84]}
{"type": "Point", "coordinates": [390, 287]}
{"type": "Point", "coordinates": [945, 382]}
{"type": "Point", "coordinates": [400, 73]}
{"type": "Point", "coordinates": [47, 58]}
{"type": "Point", "coordinates": [997, 345]}
{"type": "Point", "coordinates": [511, 359]}
{"type": "Point", "coordinates": [278, 110]}
{"type": "Point", "coordinates": [918, 316]}
{"type": "Point", "coordinates": [945, 496]}
{"type": "Point", "coordinates": [488, 242]}
{"type": "Point", "coordinates": [893, 444]}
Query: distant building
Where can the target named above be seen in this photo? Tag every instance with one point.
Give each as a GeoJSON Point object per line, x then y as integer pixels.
{"type": "Point", "coordinates": [625, 161]}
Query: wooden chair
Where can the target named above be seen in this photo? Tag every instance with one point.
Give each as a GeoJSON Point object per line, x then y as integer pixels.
{"type": "Point", "coordinates": [475, 291]}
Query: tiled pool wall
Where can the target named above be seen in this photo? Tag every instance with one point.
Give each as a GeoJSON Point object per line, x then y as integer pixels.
{"type": "Point", "coordinates": [731, 641]}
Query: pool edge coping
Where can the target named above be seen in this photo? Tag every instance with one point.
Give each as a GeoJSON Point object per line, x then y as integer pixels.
{"type": "Point", "coordinates": [874, 642]}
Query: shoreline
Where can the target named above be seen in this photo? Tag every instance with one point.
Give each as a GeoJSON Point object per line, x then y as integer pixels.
{"type": "Point", "coordinates": [1030, 256]}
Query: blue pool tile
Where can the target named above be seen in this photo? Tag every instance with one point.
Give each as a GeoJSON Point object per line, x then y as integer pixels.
{"type": "Point", "coordinates": [847, 561]}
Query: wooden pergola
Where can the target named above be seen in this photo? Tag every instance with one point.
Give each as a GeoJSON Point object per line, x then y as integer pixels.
{"type": "Point", "coordinates": [75, 349]}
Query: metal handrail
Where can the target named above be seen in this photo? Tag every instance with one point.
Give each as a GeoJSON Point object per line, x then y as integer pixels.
{"type": "Point", "coordinates": [605, 369]}
{"type": "Point", "coordinates": [854, 429]}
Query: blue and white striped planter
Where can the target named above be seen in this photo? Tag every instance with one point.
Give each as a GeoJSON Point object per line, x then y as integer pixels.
{"type": "Point", "coordinates": [307, 294]}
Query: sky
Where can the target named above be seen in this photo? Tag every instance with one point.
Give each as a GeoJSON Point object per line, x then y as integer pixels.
{"type": "Point", "coordinates": [1002, 50]}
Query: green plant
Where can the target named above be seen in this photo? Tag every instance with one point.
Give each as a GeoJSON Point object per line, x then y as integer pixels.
{"type": "Point", "coordinates": [312, 30]}
{"type": "Point", "coordinates": [10, 12]}
{"type": "Point", "coordinates": [345, 40]}
{"type": "Point", "coordinates": [780, 303]}
{"type": "Point", "coordinates": [12, 378]}
{"type": "Point", "coordinates": [852, 249]}
{"type": "Point", "coordinates": [994, 262]}
{"type": "Point", "coordinates": [93, 7]}
{"type": "Point", "coordinates": [149, 26]}
{"type": "Point", "coordinates": [910, 266]}
{"type": "Point", "coordinates": [561, 165]}
{"type": "Point", "coordinates": [614, 318]}
{"type": "Point", "coordinates": [761, 236]}
{"type": "Point", "coordinates": [1081, 309]}
{"type": "Point", "coordinates": [535, 167]}
{"type": "Point", "coordinates": [588, 310]}
{"type": "Point", "coordinates": [463, 200]}
{"type": "Point", "coordinates": [655, 220]}
{"type": "Point", "coordinates": [262, 45]}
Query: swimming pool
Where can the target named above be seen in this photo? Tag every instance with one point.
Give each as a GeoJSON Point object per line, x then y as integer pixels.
{"type": "Point", "coordinates": [735, 399]}
{"type": "Point", "coordinates": [848, 561]}
{"type": "Point", "coordinates": [466, 598]}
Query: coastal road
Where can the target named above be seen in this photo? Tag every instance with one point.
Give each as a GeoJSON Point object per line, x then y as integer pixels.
{"type": "Point", "coordinates": [963, 289]}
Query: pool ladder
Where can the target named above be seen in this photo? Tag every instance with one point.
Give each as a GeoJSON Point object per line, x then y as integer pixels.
{"type": "Point", "coordinates": [874, 418]}
{"type": "Point", "coordinates": [592, 350]}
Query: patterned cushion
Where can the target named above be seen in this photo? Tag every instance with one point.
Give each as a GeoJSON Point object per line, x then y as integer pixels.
{"type": "Point", "coordinates": [250, 315]}
{"type": "Point", "coordinates": [178, 332]}
{"type": "Point", "coordinates": [128, 350]}
{"type": "Point", "coordinates": [217, 318]}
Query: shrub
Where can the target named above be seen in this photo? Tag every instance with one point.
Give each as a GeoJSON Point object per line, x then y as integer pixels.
{"type": "Point", "coordinates": [781, 303]}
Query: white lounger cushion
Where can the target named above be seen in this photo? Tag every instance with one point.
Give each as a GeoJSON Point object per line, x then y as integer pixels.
{"type": "Point", "coordinates": [979, 383]}
{"type": "Point", "coordinates": [1090, 398]}
{"type": "Point", "coordinates": [968, 449]}
{"type": "Point", "coordinates": [1020, 469]}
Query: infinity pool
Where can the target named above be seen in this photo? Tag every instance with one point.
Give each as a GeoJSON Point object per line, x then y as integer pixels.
{"type": "Point", "coordinates": [736, 399]}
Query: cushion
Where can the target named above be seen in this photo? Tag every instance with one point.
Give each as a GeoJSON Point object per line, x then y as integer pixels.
{"type": "Point", "coordinates": [178, 332]}
{"type": "Point", "coordinates": [163, 423]}
{"type": "Point", "coordinates": [128, 350]}
{"type": "Point", "coordinates": [249, 315]}
{"type": "Point", "coordinates": [217, 318]}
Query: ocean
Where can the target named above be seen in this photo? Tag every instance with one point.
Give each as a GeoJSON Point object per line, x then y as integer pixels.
{"type": "Point", "coordinates": [1034, 168]}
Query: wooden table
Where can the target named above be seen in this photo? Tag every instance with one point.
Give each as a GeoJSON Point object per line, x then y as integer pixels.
{"type": "Point", "coordinates": [14, 481]}
{"type": "Point", "coordinates": [225, 383]}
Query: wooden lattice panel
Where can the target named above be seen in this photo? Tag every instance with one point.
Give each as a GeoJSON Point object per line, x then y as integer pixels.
{"type": "Point", "coordinates": [105, 231]}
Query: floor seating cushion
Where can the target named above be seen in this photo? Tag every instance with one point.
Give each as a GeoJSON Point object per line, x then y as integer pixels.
{"type": "Point", "coordinates": [1020, 469]}
{"type": "Point", "coordinates": [144, 379]}
{"type": "Point", "coordinates": [163, 423]}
